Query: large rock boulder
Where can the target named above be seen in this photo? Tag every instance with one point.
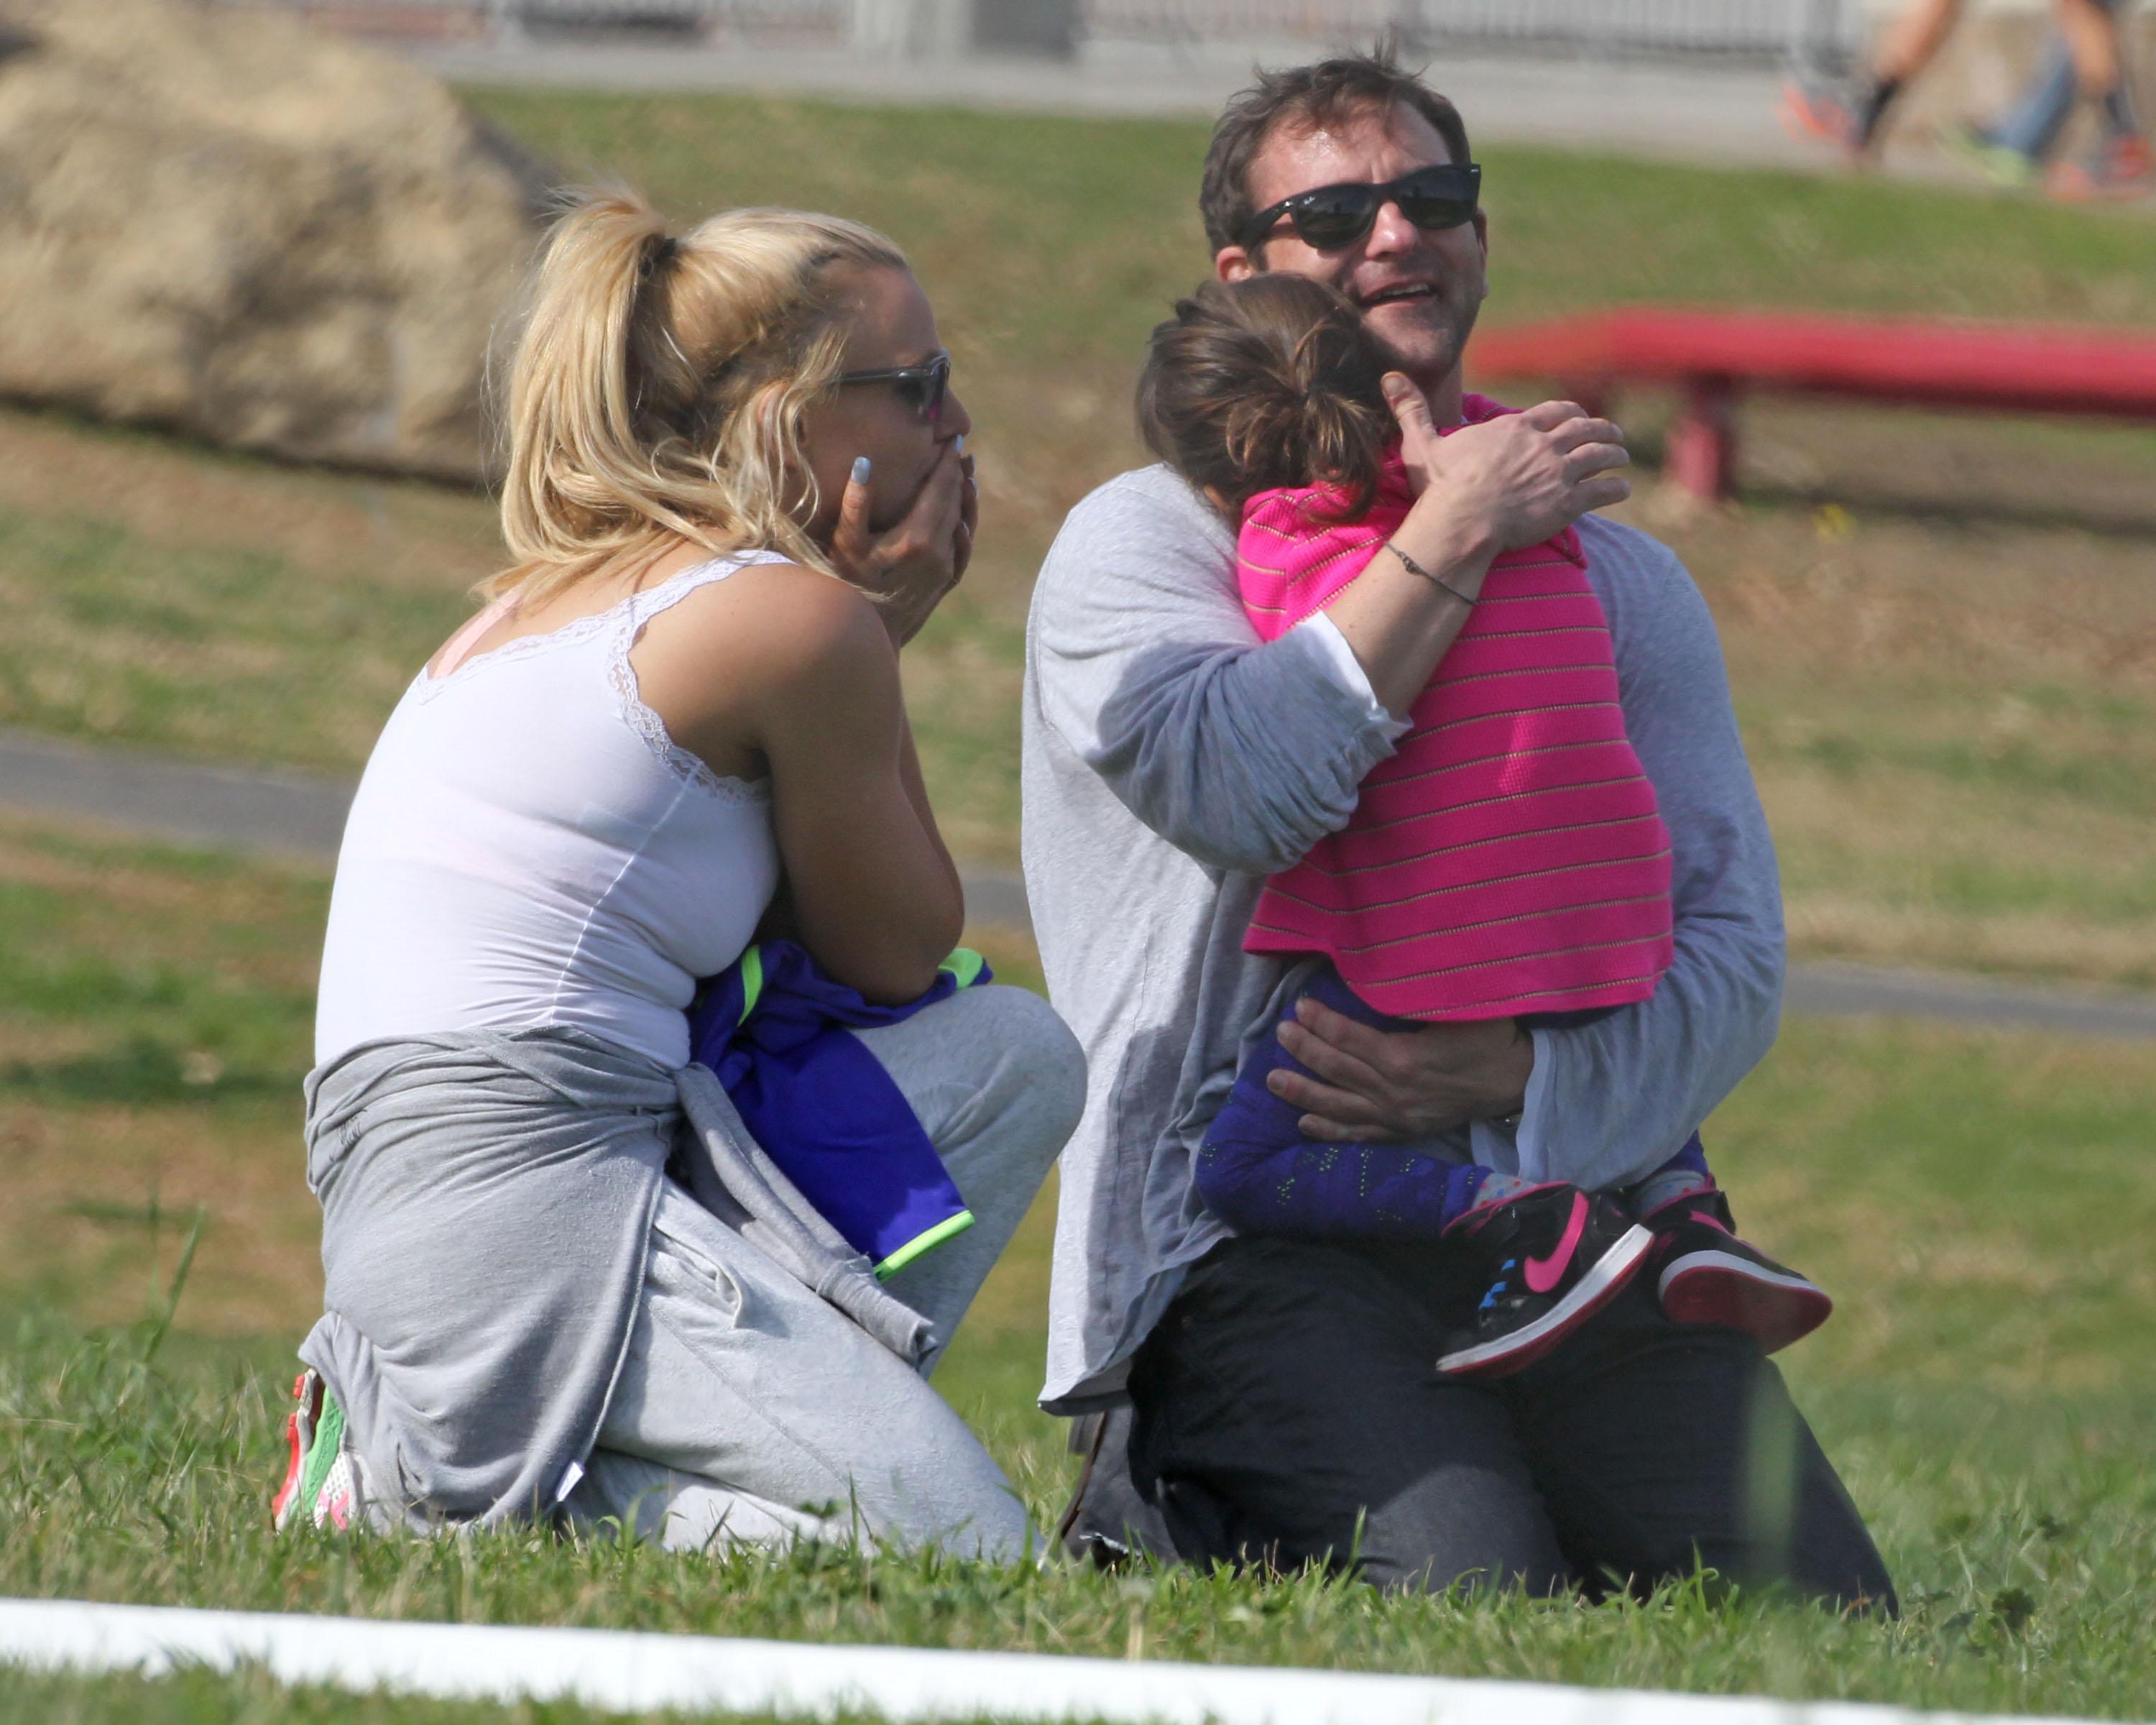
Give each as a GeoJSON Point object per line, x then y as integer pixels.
{"type": "Point", "coordinates": [223, 221]}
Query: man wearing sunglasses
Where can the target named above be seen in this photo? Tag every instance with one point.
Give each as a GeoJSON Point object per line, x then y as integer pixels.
{"type": "Point", "coordinates": [1275, 1399]}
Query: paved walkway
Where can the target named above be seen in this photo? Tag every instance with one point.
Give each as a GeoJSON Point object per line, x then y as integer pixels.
{"type": "Point", "coordinates": [299, 818]}
{"type": "Point", "coordinates": [1691, 111]}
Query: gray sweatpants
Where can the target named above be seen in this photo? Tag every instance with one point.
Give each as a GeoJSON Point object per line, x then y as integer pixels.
{"type": "Point", "coordinates": [748, 1410]}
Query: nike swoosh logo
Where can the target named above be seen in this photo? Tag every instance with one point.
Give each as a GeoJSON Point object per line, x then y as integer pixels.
{"type": "Point", "coordinates": [1542, 1273]}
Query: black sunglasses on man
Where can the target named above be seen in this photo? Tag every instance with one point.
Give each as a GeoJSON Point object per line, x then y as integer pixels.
{"type": "Point", "coordinates": [1330, 217]}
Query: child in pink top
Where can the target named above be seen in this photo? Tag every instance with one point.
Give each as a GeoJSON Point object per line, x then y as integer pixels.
{"type": "Point", "coordinates": [1507, 862]}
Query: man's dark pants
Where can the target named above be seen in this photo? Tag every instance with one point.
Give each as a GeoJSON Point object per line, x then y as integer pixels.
{"type": "Point", "coordinates": [1288, 1411]}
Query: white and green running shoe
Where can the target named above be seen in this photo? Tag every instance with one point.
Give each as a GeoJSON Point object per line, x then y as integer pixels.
{"type": "Point", "coordinates": [1999, 163]}
{"type": "Point", "coordinates": [322, 1478]}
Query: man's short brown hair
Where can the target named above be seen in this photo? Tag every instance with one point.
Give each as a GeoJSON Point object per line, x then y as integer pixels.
{"type": "Point", "coordinates": [1327, 92]}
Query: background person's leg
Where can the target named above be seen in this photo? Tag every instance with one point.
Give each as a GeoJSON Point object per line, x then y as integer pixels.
{"type": "Point", "coordinates": [2122, 163]}
{"type": "Point", "coordinates": [997, 1082]}
{"type": "Point", "coordinates": [1288, 1411]}
{"type": "Point", "coordinates": [2032, 127]}
{"type": "Point", "coordinates": [1912, 41]}
{"type": "Point", "coordinates": [2091, 30]}
{"type": "Point", "coordinates": [1853, 115]}
{"type": "Point", "coordinates": [750, 1410]}
{"type": "Point", "coordinates": [1660, 1445]}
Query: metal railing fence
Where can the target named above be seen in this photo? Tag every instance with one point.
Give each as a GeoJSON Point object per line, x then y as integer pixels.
{"type": "Point", "coordinates": [1753, 28]}
{"type": "Point", "coordinates": [831, 19]}
{"type": "Point", "coordinates": [826, 18]}
{"type": "Point", "coordinates": [1749, 28]}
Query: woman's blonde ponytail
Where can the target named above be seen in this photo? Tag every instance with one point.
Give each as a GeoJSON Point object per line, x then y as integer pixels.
{"type": "Point", "coordinates": [657, 388]}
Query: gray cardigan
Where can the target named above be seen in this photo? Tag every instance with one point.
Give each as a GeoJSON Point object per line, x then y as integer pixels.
{"type": "Point", "coordinates": [1171, 761]}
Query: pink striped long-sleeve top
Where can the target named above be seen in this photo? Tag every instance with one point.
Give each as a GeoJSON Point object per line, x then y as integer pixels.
{"type": "Point", "coordinates": [1508, 857]}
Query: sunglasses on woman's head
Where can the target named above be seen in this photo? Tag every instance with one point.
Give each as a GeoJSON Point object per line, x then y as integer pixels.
{"type": "Point", "coordinates": [921, 388]}
{"type": "Point", "coordinates": [1329, 217]}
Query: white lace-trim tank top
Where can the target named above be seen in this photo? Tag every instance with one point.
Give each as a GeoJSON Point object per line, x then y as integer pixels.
{"type": "Point", "coordinates": [528, 847]}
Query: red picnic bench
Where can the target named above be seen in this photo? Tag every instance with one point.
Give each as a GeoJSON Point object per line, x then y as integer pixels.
{"type": "Point", "coordinates": [1711, 357]}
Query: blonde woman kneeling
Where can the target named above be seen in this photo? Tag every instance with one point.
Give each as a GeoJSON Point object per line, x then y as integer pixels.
{"type": "Point", "coordinates": [563, 1283]}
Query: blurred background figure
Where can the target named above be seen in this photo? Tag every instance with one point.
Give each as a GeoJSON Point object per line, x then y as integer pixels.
{"type": "Point", "coordinates": [2083, 61]}
{"type": "Point", "coordinates": [2014, 148]}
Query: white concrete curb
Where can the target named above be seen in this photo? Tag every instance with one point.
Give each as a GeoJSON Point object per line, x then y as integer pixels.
{"type": "Point", "coordinates": [620, 1672]}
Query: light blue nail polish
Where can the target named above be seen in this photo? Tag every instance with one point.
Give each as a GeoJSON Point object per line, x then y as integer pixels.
{"type": "Point", "coordinates": [961, 443]}
{"type": "Point", "coordinates": [861, 465]}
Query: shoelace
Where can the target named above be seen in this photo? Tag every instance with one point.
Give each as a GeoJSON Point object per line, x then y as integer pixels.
{"type": "Point", "coordinates": [1498, 1286]}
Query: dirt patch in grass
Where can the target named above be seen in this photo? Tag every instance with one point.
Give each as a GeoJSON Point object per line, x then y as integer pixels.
{"type": "Point", "coordinates": [155, 1013]}
{"type": "Point", "coordinates": [103, 898]}
{"type": "Point", "coordinates": [1881, 581]}
{"type": "Point", "coordinates": [99, 1201]}
{"type": "Point", "coordinates": [1947, 711]}
{"type": "Point", "coordinates": [324, 524]}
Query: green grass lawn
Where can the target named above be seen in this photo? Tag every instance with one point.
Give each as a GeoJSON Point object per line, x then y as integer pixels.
{"type": "Point", "coordinates": [1943, 634]}
{"type": "Point", "coordinates": [1977, 1203]}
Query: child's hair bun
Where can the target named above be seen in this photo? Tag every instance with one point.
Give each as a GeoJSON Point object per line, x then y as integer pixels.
{"type": "Point", "coordinates": [1267, 382]}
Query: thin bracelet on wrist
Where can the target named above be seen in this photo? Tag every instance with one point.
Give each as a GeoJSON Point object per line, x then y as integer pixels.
{"type": "Point", "coordinates": [1429, 575]}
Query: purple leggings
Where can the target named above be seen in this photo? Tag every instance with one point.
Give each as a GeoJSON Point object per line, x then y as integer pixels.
{"type": "Point", "coordinates": [1259, 1174]}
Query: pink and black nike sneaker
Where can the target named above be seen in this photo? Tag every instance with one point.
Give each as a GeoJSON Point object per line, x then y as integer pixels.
{"type": "Point", "coordinates": [1704, 1275]}
{"type": "Point", "coordinates": [1547, 1260]}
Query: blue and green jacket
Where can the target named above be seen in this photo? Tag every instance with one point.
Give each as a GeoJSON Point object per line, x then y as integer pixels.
{"type": "Point", "coordinates": [772, 1027]}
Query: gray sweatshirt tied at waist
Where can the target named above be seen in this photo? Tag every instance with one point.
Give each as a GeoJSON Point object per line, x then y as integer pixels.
{"type": "Point", "coordinates": [487, 1202]}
